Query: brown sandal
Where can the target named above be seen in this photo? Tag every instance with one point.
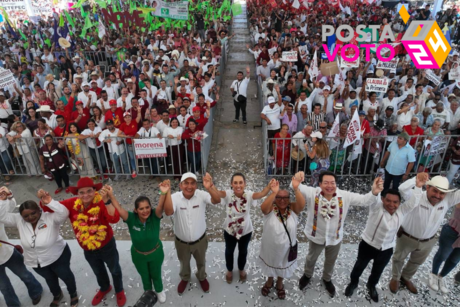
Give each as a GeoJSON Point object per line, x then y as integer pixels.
{"type": "Point", "coordinates": [266, 289]}
{"type": "Point", "coordinates": [229, 278]}
{"type": "Point", "coordinates": [243, 276]}
{"type": "Point", "coordinates": [281, 293]}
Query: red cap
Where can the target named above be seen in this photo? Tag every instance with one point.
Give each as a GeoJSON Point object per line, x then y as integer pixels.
{"type": "Point", "coordinates": [196, 109]}
{"type": "Point", "coordinates": [78, 102]}
{"type": "Point", "coordinates": [112, 102]}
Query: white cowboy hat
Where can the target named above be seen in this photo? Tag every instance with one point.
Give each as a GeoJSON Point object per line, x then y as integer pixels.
{"type": "Point", "coordinates": [441, 183]}
{"type": "Point", "coordinates": [45, 108]}
{"type": "Point", "coordinates": [64, 43]}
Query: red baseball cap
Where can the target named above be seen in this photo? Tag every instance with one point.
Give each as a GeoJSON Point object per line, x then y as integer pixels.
{"type": "Point", "coordinates": [112, 102]}
{"type": "Point", "coordinates": [196, 109]}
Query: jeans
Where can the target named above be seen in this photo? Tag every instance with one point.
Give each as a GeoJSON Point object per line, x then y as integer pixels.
{"type": "Point", "coordinates": [99, 157]}
{"type": "Point", "coordinates": [194, 158]}
{"type": "Point", "coordinates": [452, 171]}
{"type": "Point", "coordinates": [446, 253]}
{"type": "Point", "coordinates": [240, 105]}
{"type": "Point", "coordinates": [230, 244]}
{"type": "Point", "coordinates": [132, 157]}
{"type": "Point", "coordinates": [59, 269]}
{"type": "Point", "coordinates": [124, 161]}
{"type": "Point", "coordinates": [5, 163]}
{"type": "Point", "coordinates": [61, 175]}
{"type": "Point", "coordinates": [16, 265]}
{"type": "Point", "coordinates": [366, 253]}
{"type": "Point", "coordinates": [153, 164]}
{"type": "Point", "coordinates": [108, 255]}
{"type": "Point", "coordinates": [391, 178]}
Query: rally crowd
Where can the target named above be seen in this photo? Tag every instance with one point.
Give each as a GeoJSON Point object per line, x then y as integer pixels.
{"type": "Point", "coordinates": [79, 103]}
{"type": "Point", "coordinates": [302, 101]}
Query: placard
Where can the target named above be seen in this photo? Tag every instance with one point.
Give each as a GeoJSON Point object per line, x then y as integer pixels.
{"type": "Point", "coordinates": [289, 56]}
{"type": "Point", "coordinates": [437, 146]}
{"type": "Point", "coordinates": [6, 78]}
{"type": "Point", "coordinates": [430, 75]}
{"type": "Point", "coordinates": [454, 73]}
{"type": "Point", "coordinates": [377, 85]}
{"type": "Point", "coordinates": [389, 65]}
{"type": "Point", "coordinates": [346, 64]}
{"type": "Point", "coordinates": [150, 148]}
{"type": "Point", "coordinates": [329, 69]}
{"type": "Point", "coordinates": [174, 10]}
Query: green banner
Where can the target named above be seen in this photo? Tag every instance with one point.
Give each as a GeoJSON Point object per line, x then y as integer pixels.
{"type": "Point", "coordinates": [236, 9]}
{"type": "Point", "coordinates": [172, 10]}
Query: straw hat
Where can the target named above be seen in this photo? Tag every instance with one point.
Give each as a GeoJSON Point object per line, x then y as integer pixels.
{"type": "Point", "coordinates": [64, 43]}
{"type": "Point", "coordinates": [297, 155]}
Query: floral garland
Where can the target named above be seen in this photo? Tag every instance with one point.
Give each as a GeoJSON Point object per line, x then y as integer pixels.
{"type": "Point", "coordinates": [327, 211]}
{"type": "Point", "coordinates": [77, 147]}
{"type": "Point", "coordinates": [284, 215]}
{"type": "Point", "coordinates": [89, 233]}
{"type": "Point", "coordinates": [235, 227]}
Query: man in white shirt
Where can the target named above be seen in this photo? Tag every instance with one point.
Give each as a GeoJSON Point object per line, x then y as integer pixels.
{"type": "Point", "coordinates": [417, 235]}
{"type": "Point", "coordinates": [442, 114]}
{"type": "Point", "coordinates": [111, 89]}
{"type": "Point", "coordinates": [454, 117]}
{"type": "Point", "coordinates": [163, 123]}
{"type": "Point", "coordinates": [271, 114]}
{"type": "Point", "coordinates": [239, 89]}
{"type": "Point", "coordinates": [116, 148]}
{"type": "Point", "coordinates": [124, 101]}
{"type": "Point", "coordinates": [379, 236]}
{"type": "Point", "coordinates": [188, 209]}
{"type": "Point", "coordinates": [87, 97]}
{"type": "Point", "coordinates": [10, 258]}
{"type": "Point", "coordinates": [391, 100]}
{"type": "Point", "coordinates": [327, 208]}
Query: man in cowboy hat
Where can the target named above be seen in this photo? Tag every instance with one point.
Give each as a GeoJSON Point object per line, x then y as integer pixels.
{"type": "Point", "coordinates": [416, 237]}
{"type": "Point", "coordinates": [91, 214]}
{"type": "Point", "coordinates": [48, 115]}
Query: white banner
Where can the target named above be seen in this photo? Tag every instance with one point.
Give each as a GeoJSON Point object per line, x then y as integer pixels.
{"type": "Point", "coordinates": [150, 148]}
{"type": "Point", "coordinates": [313, 71]}
{"type": "Point", "coordinates": [173, 10]}
{"type": "Point", "coordinates": [454, 73]}
{"type": "Point", "coordinates": [6, 78]}
{"type": "Point", "coordinates": [389, 65]}
{"type": "Point", "coordinates": [289, 56]}
{"type": "Point", "coordinates": [334, 132]}
{"type": "Point", "coordinates": [353, 133]}
{"type": "Point", "coordinates": [437, 146]}
{"type": "Point", "coordinates": [27, 9]}
{"type": "Point", "coordinates": [345, 64]}
{"type": "Point", "coordinates": [430, 75]}
{"type": "Point", "coordinates": [376, 85]}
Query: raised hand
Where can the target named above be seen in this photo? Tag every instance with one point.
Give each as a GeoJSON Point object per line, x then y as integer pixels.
{"type": "Point", "coordinates": [421, 179]}
{"type": "Point", "coordinates": [377, 186]}
{"type": "Point", "coordinates": [44, 196]}
{"type": "Point", "coordinates": [165, 186]}
{"type": "Point", "coordinates": [275, 186]}
{"type": "Point", "coordinates": [4, 193]}
{"type": "Point", "coordinates": [207, 181]}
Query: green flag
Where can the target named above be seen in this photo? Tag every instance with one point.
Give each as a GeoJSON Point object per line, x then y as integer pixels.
{"type": "Point", "coordinates": [61, 20]}
{"type": "Point", "coordinates": [48, 42]}
{"type": "Point", "coordinates": [101, 4]}
{"type": "Point", "coordinates": [69, 19]}
{"type": "Point", "coordinates": [22, 35]}
{"type": "Point", "coordinates": [87, 25]}
{"type": "Point", "coordinates": [236, 9]}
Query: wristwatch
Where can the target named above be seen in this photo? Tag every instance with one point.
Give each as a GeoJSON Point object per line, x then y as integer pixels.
{"type": "Point", "coordinates": [108, 202]}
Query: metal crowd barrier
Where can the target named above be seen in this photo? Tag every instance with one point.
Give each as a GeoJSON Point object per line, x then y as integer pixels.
{"type": "Point", "coordinates": [432, 158]}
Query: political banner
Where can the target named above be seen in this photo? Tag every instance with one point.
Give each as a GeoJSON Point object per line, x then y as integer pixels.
{"type": "Point", "coordinates": [389, 65]}
{"type": "Point", "coordinates": [454, 73]}
{"type": "Point", "coordinates": [430, 75]}
{"type": "Point", "coordinates": [334, 132]}
{"type": "Point", "coordinates": [289, 56]}
{"type": "Point", "coordinates": [353, 133]}
{"type": "Point", "coordinates": [6, 78]}
{"type": "Point", "coordinates": [376, 85]}
{"type": "Point", "coordinates": [346, 64]}
{"type": "Point", "coordinates": [437, 146]}
{"type": "Point", "coordinates": [27, 9]}
{"type": "Point", "coordinates": [173, 10]}
{"type": "Point", "coordinates": [150, 148]}
{"type": "Point", "coordinates": [313, 70]}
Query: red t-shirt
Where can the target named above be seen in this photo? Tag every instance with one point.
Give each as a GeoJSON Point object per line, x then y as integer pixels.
{"type": "Point", "coordinates": [98, 91]}
{"type": "Point", "coordinates": [203, 107]}
{"type": "Point", "coordinates": [116, 116]}
{"type": "Point", "coordinates": [129, 130]}
{"type": "Point", "coordinates": [60, 132]}
{"type": "Point", "coordinates": [418, 131]}
{"type": "Point", "coordinates": [95, 222]}
{"type": "Point", "coordinates": [47, 102]}
{"type": "Point", "coordinates": [83, 120]}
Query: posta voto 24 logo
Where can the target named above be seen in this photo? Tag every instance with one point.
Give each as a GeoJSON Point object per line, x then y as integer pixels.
{"type": "Point", "coordinates": [424, 42]}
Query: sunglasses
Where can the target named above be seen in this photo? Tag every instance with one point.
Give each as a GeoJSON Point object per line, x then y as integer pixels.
{"type": "Point", "coordinates": [322, 127]}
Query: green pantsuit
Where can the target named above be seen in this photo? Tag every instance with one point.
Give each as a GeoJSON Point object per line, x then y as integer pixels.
{"type": "Point", "coordinates": [146, 238]}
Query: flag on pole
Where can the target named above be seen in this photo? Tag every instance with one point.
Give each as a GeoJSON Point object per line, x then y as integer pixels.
{"type": "Point", "coordinates": [354, 132]}
{"type": "Point", "coordinates": [334, 133]}
{"type": "Point", "coordinates": [313, 71]}
{"type": "Point", "coordinates": [101, 29]}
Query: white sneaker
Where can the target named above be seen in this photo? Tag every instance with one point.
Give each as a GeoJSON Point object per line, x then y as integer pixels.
{"type": "Point", "coordinates": [434, 282]}
{"type": "Point", "coordinates": [161, 297]}
{"type": "Point", "coordinates": [442, 285]}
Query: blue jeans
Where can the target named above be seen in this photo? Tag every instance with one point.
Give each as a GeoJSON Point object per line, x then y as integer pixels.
{"type": "Point", "coordinates": [59, 269]}
{"type": "Point", "coordinates": [230, 245]}
{"type": "Point", "coordinates": [153, 164]}
{"type": "Point", "coordinates": [99, 157]}
{"type": "Point", "coordinates": [446, 253]}
{"type": "Point", "coordinates": [124, 161]}
{"type": "Point", "coordinates": [194, 159]}
{"type": "Point", "coordinates": [108, 255]}
{"type": "Point", "coordinates": [16, 265]}
{"type": "Point", "coordinates": [132, 157]}
{"type": "Point", "coordinates": [5, 163]}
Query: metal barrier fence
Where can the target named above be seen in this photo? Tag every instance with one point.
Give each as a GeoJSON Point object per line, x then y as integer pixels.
{"type": "Point", "coordinates": [279, 160]}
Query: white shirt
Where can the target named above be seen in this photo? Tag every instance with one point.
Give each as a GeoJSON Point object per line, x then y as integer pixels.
{"type": "Point", "coordinates": [103, 103]}
{"type": "Point", "coordinates": [183, 120]}
{"type": "Point", "coordinates": [444, 116]}
{"type": "Point", "coordinates": [404, 119]}
{"type": "Point", "coordinates": [228, 199]}
{"type": "Point", "coordinates": [113, 147]}
{"type": "Point", "coordinates": [3, 140]}
{"type": "Point", "coordinates": [326, 231]}
{"type": "Point", "coordinates": [454, 119]}
{"type": "Point", "coordinates": [87, 100]}
{"type": "Point", "coordinates": [161, 126]}
{"type": "Point", "coordinates": [112, 91]}
{"type": "Point", "coordinates": [6, 251]}
{"type": "Point", "coordinates": [240, 87]}
{"type": "Point", "coordinates": [386, 102]}
{"type": "Point", "coordinates": [424, 220]}
{"type": "Point", "coordinates": [273, 116]}
{"type": "Point", "coordinates": [381, 226]}
{"type": "Point", "coordinates": [127, 101]}
{"type": "Point", "coordinates": [48, 242]}
{"type": "Point", "coordinates": [367, 104]}
{"type": "Point", "coordinates": [151, 133]}
{"type": "Point", "coordinates": [190, 215]}
{"type": "Point", "coordinates": [52, 122]}
{"type": "Point", "coordinates": [175, 133]}
{"type": "Point", "coordinates": [91, 142]}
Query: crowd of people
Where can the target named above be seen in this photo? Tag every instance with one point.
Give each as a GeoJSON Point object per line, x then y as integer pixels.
{"type": "Point", "coordinates": [301, 103]}
{"type": "Point", "coordinates": [78, 104]}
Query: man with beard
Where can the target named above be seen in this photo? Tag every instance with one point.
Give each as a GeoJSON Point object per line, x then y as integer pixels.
{"type": "Point", "coordinates": [87, 97]}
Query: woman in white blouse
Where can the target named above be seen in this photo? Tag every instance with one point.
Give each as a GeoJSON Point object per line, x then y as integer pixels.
{"type": "Point", "coordinates": [22, 140]}
{"type": "Point", "coordinates": [280, 236]}
{"type": "Point", "coordinates": [173, 135]}
{"type": "Point", "coordinates": [44, 249]}
{"type": "Point", "coordinates": [237, 226]}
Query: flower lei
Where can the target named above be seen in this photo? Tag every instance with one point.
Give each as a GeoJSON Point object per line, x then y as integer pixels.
{"type": "Point", "coordinates": [235, 227]}
{"type": "Point", "coordinates": [328, 209]}
{"type": "Point", "coordinates": [77, 147]}
{"type": "Point", "coordinates": [327, 212]}
{"type": "Point", "coordinates": [89, 233]}
{"type": "Point", "coordinates": [285, 215]}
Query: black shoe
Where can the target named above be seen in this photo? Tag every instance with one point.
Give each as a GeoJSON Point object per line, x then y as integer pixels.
{"type": "Point", "coordinates": [350, 289]}
{"type": "Point", "coordinates": [373, 293]}
{"type": "Point", "coordinates": [330, 288]}
{"type": "Point", "coordinates": [235, 120]}
{"type": "Point", "coordinates": [457, 278]}
{"type": "Point", "coordinates": [245, 122]}
{"type": "Point", "coordinates": [303, 282]}
{"type": "Point", "coordinates": [57, 300]}
{"type": "Point", "coordinates": [37, 300]}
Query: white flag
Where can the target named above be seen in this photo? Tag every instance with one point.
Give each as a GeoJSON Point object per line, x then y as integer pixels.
{"type": "Point", "coordinates": [334, 133]}
{"type": "Point", "coordinates": [296, 4]}
{"type": "Point", "coordinates": [313, 70]}
{"type": "Point", "coordinates": [101, 29]}
{"type": "Point", "coordinates": [354, 132]}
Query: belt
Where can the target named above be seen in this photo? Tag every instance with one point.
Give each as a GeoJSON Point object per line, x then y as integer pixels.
{"type": "Point", "coordinates": [149, 252]}
{"type": "Point", "coordinates": [191, 243]}
{"type": "Point", "coordinates": [417, 239]}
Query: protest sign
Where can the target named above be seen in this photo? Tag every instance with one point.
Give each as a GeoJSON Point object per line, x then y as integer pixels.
{"type": "Point", "coordinates": [150, 148]}
{"type": "Point", "coordinates": [388, 65]}
{"type": "Point", "coordinates": [353, 133]}
{"type": "Point", "coordinates": [437, 146]}
{"type": "Point", "coordinates": [454, 73]}
{"type": "Point", "coordinates": [329, 69]}
{"type": "Point", "coordinates": [313, 70]}
{"type": "Point", "coordinates": [174, 10]}
{"type": "Point", "coordinates": [6, 78]}
{"type": "Point", "coordinates": [430, 75]}
{"type": "Point", "coordinates": [289, 56]}
{"type": "Point", "coordinates": [377, 85]}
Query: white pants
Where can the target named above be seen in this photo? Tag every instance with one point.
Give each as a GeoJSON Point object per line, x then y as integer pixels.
{"type": "Point", "coordinates": [453, 168]}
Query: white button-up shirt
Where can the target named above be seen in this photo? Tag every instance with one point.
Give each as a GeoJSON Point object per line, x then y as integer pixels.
{"type": "Point", "coordinates": [190, 215]}
{"type": "Point", "coordinates": [326, 229]}
{"type": "Point", "coordinates": [87, 100]}
{"type": "Point", "coordinates": [44, 245]}
{"type": "Point", "coordinates": [112, 91]}
{"type": "Point", "coordinates": [113, 147]}
{"type": "Point", "coordinates": [6, 251]}
{"type": "Point", "coordinates": [91, 142]}
{"type": "Point", "coordinates": [175, 133]}
{"type": "Point", "coordinates": [424, 220]}
{"type": "Point", "coordinates": [381, 226]}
